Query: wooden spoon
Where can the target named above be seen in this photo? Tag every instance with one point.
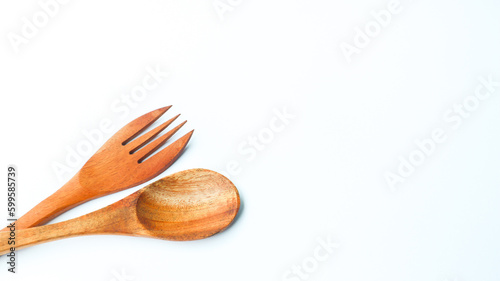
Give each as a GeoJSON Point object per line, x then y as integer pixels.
{"type": "Point", "coordinates": [187, 205]}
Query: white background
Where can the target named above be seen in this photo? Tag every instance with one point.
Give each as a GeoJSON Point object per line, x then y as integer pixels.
{"type": "Point", "coordinates": [321, 177]}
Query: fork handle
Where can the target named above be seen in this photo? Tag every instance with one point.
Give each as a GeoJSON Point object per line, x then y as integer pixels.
{"type": "Point", "coordinates": [67, 197]}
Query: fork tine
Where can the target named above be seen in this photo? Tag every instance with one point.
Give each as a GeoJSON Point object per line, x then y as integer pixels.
{"type": "Point", "coordinates": [164, 158]}
{"type": "Point", "coordinates": [138, 125]}
{"type": "Point", "coordinates": [144, 139]}
{"type": "Point", "coordinates": [153, 146]}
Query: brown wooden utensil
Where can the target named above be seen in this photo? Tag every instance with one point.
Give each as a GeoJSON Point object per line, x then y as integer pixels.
{"type": "Point", "coordinates": [187, 205]}
{"type": "Point", "coordinates": [119, 164]}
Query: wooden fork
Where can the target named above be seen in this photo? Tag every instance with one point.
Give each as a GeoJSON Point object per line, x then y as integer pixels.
{"type": "Point", "coordinates": [122, 162]}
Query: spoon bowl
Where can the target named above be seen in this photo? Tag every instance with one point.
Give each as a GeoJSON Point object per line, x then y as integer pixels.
{"type": "Point", "coordinates": [188, 205]}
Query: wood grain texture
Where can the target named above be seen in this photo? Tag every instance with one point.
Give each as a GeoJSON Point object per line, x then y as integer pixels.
{"type": "Point", "coordinates": [119, 164]}
{"type": "Point", "coordinates": [187, 205]}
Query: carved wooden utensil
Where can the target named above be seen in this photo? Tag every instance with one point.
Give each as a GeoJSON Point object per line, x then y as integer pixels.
{"type": "Point", "coordinates": [187, 205]}
{"type": "Point", "coordinates": [119, 164]}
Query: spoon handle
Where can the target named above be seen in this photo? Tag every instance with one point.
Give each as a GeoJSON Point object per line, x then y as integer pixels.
{"type": "Point", "coordinates": [32, 236]}
{"type": "Point", "coordinates": [111, 219]}
{"type": "Point", "coordinates": [65, 198]}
